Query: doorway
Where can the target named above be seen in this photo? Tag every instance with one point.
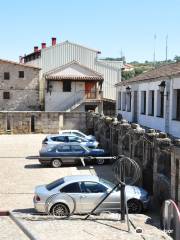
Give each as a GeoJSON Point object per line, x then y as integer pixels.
{"type": "Point", "coordinates": [90, 90]}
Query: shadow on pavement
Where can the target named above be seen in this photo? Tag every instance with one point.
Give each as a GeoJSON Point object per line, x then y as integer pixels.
{"type": "Point", "coordinates": [103, 171]}
{"type": "Point", "coordinates": [33, 166]}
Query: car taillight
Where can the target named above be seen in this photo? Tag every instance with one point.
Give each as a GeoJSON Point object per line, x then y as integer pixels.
{"type": "Point", "coordinates": [37, 198]}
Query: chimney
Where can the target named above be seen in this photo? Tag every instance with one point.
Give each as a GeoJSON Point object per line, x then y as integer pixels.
{"type": "Point", "coordinates": [53, 41]}
{"type": "Point", "coordinates": [35, 48]}
{"type": "Point", "coordinates": [43, 45]}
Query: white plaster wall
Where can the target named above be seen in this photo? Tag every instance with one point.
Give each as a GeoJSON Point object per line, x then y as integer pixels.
{"type": "Point", "coordinates": [58, 100]}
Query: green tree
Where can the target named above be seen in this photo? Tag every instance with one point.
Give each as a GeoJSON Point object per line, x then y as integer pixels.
{"type": "Point", "coordinates": [177, 58]}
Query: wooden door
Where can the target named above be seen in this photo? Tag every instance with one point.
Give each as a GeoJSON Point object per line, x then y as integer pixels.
{"type": "Point", "coordinates": [90, 89]}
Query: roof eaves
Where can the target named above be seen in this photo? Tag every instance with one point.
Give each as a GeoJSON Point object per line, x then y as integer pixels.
{"type": "Point", "coordinates": [20, 64]}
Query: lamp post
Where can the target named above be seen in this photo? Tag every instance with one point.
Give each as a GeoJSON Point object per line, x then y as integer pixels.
{"type": "Point", "coordinates": [162, 87]}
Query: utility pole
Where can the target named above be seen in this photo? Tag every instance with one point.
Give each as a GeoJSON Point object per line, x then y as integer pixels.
{"type": "Point", "coordinates": [154, 55]}
{"type": "Point", "coordinates": [166, 48]}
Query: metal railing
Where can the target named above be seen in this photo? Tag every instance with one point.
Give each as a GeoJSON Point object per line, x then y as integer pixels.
{"type": "Point", "coordinates": [71, 102]}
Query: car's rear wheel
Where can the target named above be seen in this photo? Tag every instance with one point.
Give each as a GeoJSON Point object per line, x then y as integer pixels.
{"type": "Point", "coordinates": [134, 206]}
{"type": "Point", "coordinates": [60, 210]}
{"type": "Point", "coordinates": [100, 161]}
{"type": "Point", "coordinates": [56, 163]}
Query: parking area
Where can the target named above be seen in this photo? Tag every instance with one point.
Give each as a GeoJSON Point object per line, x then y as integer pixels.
{"type": "Point", "coordinates": [19, 176]}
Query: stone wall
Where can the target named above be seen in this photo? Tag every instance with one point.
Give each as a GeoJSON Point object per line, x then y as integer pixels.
{"type": "Point", "coordinates": [41, 122]}
{"type": "Point", "coordinates": [24, 92]}
{"type": "Point", "coordinates": [154, 151]}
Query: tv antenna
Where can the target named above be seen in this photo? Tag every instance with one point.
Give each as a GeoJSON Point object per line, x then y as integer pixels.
{"type": "Point", "coordinates": [166, 47]}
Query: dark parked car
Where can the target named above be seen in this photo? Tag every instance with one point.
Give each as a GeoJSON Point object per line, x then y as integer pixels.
{"type": "Point", "coordinates": [69, 153]}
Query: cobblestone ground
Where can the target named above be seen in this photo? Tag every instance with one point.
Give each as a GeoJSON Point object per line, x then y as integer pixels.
{"type": "Point", "coordinates": [19, 176]}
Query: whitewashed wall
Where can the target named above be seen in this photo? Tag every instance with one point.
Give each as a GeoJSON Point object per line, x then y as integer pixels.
{"type": "Point", "coordinates": [58, 100]}
{"type": "Point", "coordinates": [165, 124]}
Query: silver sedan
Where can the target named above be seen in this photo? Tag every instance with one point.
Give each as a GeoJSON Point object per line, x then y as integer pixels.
{"type": "Point", "coordinates": [80, 194]}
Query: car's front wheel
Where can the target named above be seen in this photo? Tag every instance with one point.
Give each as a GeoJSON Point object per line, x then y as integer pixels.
{"type": "Point", "coordinates": [100, 161]}
{"type": "Point", "coordinates": [60, 210]}
{"type": "Point", "coordinates": [56, 163]}
{"type": "Point", "coordinates": [134, 206]}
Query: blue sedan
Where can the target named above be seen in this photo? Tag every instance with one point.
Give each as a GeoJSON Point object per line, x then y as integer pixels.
{"type": "Point", "coordinates": [70, 153]}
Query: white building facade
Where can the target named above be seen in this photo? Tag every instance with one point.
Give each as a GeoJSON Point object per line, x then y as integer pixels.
{"type": "Point", "coordinates": [58, 55]}
{"type": "Point", "coordinates": [152, 99]}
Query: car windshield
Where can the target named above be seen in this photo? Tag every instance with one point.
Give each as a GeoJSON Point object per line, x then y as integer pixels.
{"type": "Point", "coordinates": [54, 184]}
{"type": "Point", "coordinates": [107, 183]}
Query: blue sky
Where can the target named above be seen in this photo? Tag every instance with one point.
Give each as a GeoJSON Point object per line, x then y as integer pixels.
{"type": "Point", "coordinates": [107, 25]}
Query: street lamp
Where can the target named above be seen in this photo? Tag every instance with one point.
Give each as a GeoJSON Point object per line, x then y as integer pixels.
{"type": "Point", "coordinates": [128, 90]}
{"type": "Point", "coordinates": [162, 87]}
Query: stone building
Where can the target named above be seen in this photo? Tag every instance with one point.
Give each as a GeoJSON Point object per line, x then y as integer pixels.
{"type": "Point", "coordinates": [19, 86]}
{"type": "Point", "coordinates": [152, 99]}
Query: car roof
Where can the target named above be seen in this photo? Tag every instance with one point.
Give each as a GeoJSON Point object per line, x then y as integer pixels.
{"type": "Point", "coordinates": [68, 130]}
{"type": "Point", "coordinates": [74, 178]}
{"type": "Point", "coordinates": [63, 135]}
{"type": "Point", "coordinates": [70, 143]}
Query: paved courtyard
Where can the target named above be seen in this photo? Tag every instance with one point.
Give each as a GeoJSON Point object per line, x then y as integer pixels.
{"type": "Point", "coordinates": [19, 176]}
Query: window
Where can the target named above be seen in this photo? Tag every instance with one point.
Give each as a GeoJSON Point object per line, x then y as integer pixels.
{"type": "Point", "coordinates": [178, 105]}
{"type": "Point", "coordinates": [74, 139]}
{"type": "Point", "coordinates": [67, 86]}
{"type": "Point", "coordinates": [143, 102]}
{"type": "Point", "coordinates": [21, 74]}
{"type": "Point", "coordinates": [6, 95]}
{"type": "Point", "coordinates": [151, 103]}
{"type": "Point", "coordinates": [124, 101]}
{"type": "Point", "coordinates": [93, 187]}
{"type": "Point", "coordinates": [128, 102]}
{"type": "Point", "coordinates": [160, 104]}
{"type": "Point", "coordinates": [6, 75]}
{"type": "Point", "coordinates": [71, 188]}
{"type": "Point", "coordinates": [119, 100]}
{"type": "Point", "coordinates": [54, 184]}
{"type": "Point", "coordinates": [59, 139]}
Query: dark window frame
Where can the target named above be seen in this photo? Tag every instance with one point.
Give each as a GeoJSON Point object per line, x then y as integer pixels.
{"type": "Point", "coordinates": [152, 103]}
{"type": "Point", "coordinates": [178, 105]}
{"type": "Point", "coordinates": [6, 95]}
{"type": "Point", "coordinates": [143, 111]}
{"type": "Point", "coordinates": [6, 75]}
{"type": "Point", "coordinates": [21, 74]}
{"type": "Point", "coordinates": [67, 85]}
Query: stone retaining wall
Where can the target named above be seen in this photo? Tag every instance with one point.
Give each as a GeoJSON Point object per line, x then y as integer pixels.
{"type": "Point", "coordinates": [41, 122]}
{"type": "Point", "coordinates": [157, 154]}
